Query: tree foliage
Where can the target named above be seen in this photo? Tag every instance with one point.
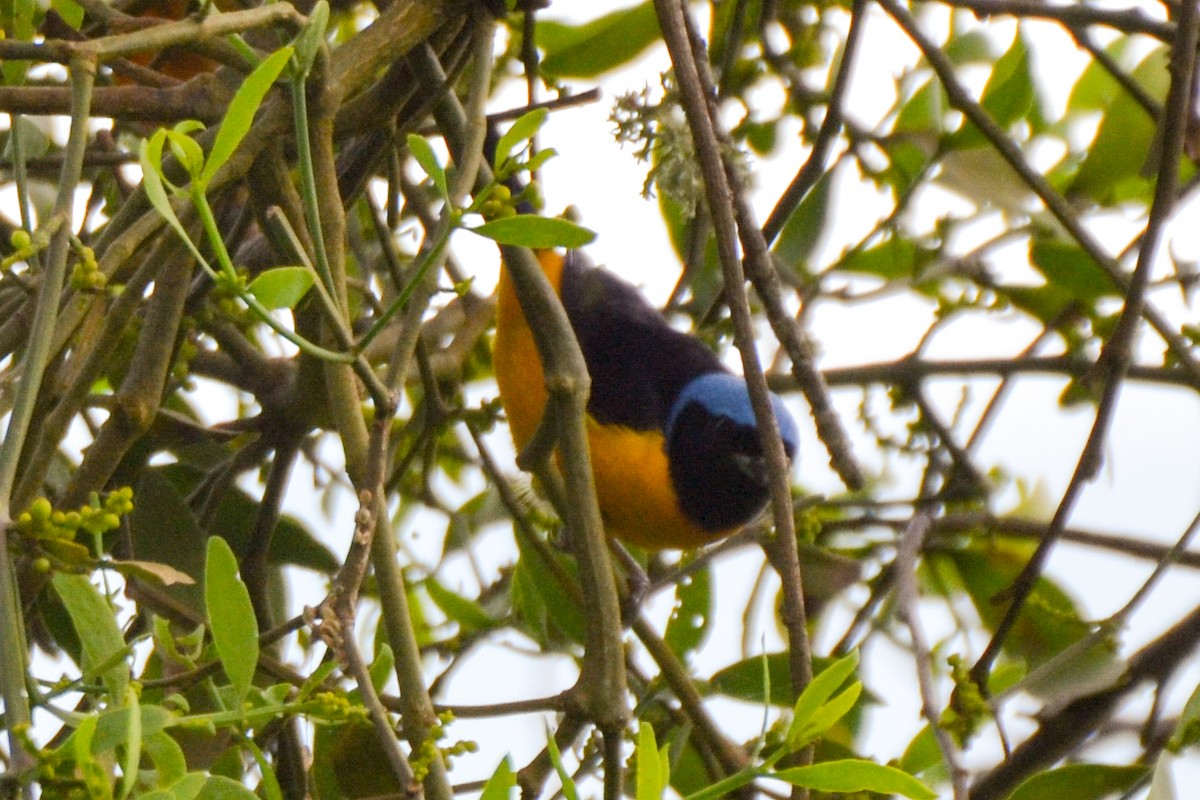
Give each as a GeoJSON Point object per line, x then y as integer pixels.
{"type": "Point", "coordinates": [246, 295]}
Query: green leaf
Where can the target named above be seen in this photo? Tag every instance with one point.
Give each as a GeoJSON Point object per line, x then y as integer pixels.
{"type": "Point", "coordinates": [281, 287]}
{"type": "Point", "coordinates": [308, 42]}
{"type": "Point", "coordinates": [469, 615]}
{"type": "Point", "coordinates": [99, 635]}
{"type": "Point", "coordinates": [922, 752]}
{"type": "Point", "coordinates": [802, 231]}
{"type": "Point", "coordinates": [893, 258]}
{"type": "Point", "coordinates": [17, 19]}
{"type": "Point", "coordinates": [569, 789]}
{"type": "Point", "coordinates": [112, 726]}
{"type": "Point", "coordinates": [499, 786]}
{"type": "Point", "coordinates": [825, 717]}
{"type": "Point", "coordinates": [539, 233]}
{"type": "Point", "coordinates": [189, 786]}
{"type": "Point", "coordinates": [652, 765]}
{"type": "Point", "coordinates": [525, 128]}
{"type": "Point", "coordinates": [745, 680]}
{"type": "Point", "coordinates": [1044, 303]}
{"type": "Point", "coordinates": [1096, 87]}
{"type": "Point", "coordinates": [153, 180]}
{"type": "Point", "coordinates": [1048, 623]}
{"type": "Point", "coordinates": [585, 51]}
{"type": "Point", "coordinates": [1080, 782]}
{"type": "Point", "coordinates": [544, 608]}
{"type": "Point", "coordinates": [230, 616]}
{"type": "Point", "coordinates": [923, 111]}
{"type": "Point", "coordinates": [187, 151]}
{"type": "Point", "coordinates": [242, 109]}
{"type": "Point", "coordinates": [1008, 95]}
{"type": "Point", "coordinates": [170, 764]}
{"type": "Point", "coordinates": [1065, 264]}
{"type": "Point", "coordinates": [133, 744]}
{"type": "Point", "coordinates": [381, 668]}
{"type": "Point", "coordinates": [70, 11]}
{"type": "Point", "coordinates": [855, 775]}
{"type": "Point", "coordinates": [1112, 172]}
{"type": "Point", "coordinates": [35, 141]}
{"type": "Point", "coordinates": [818, 692]}
{"type": "Point", "coordinates": [690, 620]}
{"type": "Point", "coordinates": [218, 787]}
{"type": "Point", "coordinates": [291, 542]}
{"type": "Point", "coordinates": [423, 153]}
{"type": "Point", "coordinates": [1187, 730]}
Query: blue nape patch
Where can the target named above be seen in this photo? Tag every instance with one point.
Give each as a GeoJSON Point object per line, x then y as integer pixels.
{"type": "Point", "coordinates": [726, 394]}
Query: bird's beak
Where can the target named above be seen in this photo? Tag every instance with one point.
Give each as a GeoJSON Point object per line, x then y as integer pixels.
{"type": "Point", "coordinates": [753, 467]}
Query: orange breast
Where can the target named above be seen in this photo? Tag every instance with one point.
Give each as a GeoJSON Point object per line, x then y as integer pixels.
{"type": "Point", "coordinates": [633, 485]}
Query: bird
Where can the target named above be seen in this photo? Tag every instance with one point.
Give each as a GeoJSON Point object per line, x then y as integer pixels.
{"type": "Point", "coordinates": [676, 454]}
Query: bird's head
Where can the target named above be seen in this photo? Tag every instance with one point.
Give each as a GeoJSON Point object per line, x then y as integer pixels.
{"type": "Point", "coordinates": [715, 453]}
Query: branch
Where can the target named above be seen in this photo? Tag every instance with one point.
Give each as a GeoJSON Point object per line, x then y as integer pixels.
{"type": "Point", "coordinates": [37, 356]}
{"type": "Point", "coordinates": [722, 201]}
{"type": "Point", "coordinates": [1059, 735]}
{"type": "Point", "coordinates": [1075, 15]}
{"type": "Point", "coordinates": [1117, 353]}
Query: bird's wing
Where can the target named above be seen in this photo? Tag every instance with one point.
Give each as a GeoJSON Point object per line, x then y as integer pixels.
{"type": "Point", "coordinates": [637, 361]}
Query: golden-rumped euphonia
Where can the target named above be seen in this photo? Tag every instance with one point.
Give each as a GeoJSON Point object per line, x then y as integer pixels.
{"type": "Point", "coordinates": [675, 449]}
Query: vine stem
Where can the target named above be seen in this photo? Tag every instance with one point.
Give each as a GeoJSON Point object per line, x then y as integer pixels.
{"type": "Point", "coordinates": [41, 336]}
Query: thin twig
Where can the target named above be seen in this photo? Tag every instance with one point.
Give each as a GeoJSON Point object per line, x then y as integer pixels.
{"type": "Point", "coordinates": [722, 201]}
{"type": "Point", "coordinates": [1117, 353]}
{"type": "Point", "coordinates": [911, 543]}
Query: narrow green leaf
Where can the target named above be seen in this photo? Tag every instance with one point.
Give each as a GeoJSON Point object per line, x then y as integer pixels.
{"type": "Point", "coordinates": [381, 668]}
{"type": "Point", "coordinates": [281, 287]}
{"type": "Point", "coordinates": [520, 131]}
{"type": "Point", "coordinates": [269, 787]}
{"type": "Point", "coordinates": [585, 51]}
{"type": "Point", "coordinates": [802, 231]}
{"type": "Point", "coordinates": [230, 616]}
{"type": "Point", "coordinates": [818, 692]}
{"type": "Point", "coordinates": [99, 635]}
{"type": "Point", "coordinates": [423, 153]}
{"type": "Point", "coordinates": [170, 764]}
{"type": "Point", "coordinates": [569, 790]}
{"type": "Point", "coordinates": [499, 786]}
{"type": "Point", "coordinates": [1187, 730]}
{"type": "Point", "coordinates": [469, 615]}
{"type": "Point", "coordinates": [650, 782]}
{"type": "Point", "coordinates": [854, 775]}
{"type": "Point", "coordinates": [540, 233]}
{"type": "Point", "coordinates": [242, 109]}
{"type": "Point", "coordinates": [133, 744]}
{"type": "Point", "coordinates": [1080, 782]}
{"type": "Point", "coordinates": [308, 42]}
{"type": "Point", "coordinates": [826, 716]}
{"type": "Point", "coordinates": [187, 151]}
{"type": "Point", "coordinates": [153, 180]}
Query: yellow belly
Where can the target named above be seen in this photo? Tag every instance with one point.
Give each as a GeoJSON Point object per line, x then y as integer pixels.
{"type": "Point", "coordinates": [633, 484]}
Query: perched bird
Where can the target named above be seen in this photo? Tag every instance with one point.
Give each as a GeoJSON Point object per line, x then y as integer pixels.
{"type": "Point", "coordinates": [675, 448]}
